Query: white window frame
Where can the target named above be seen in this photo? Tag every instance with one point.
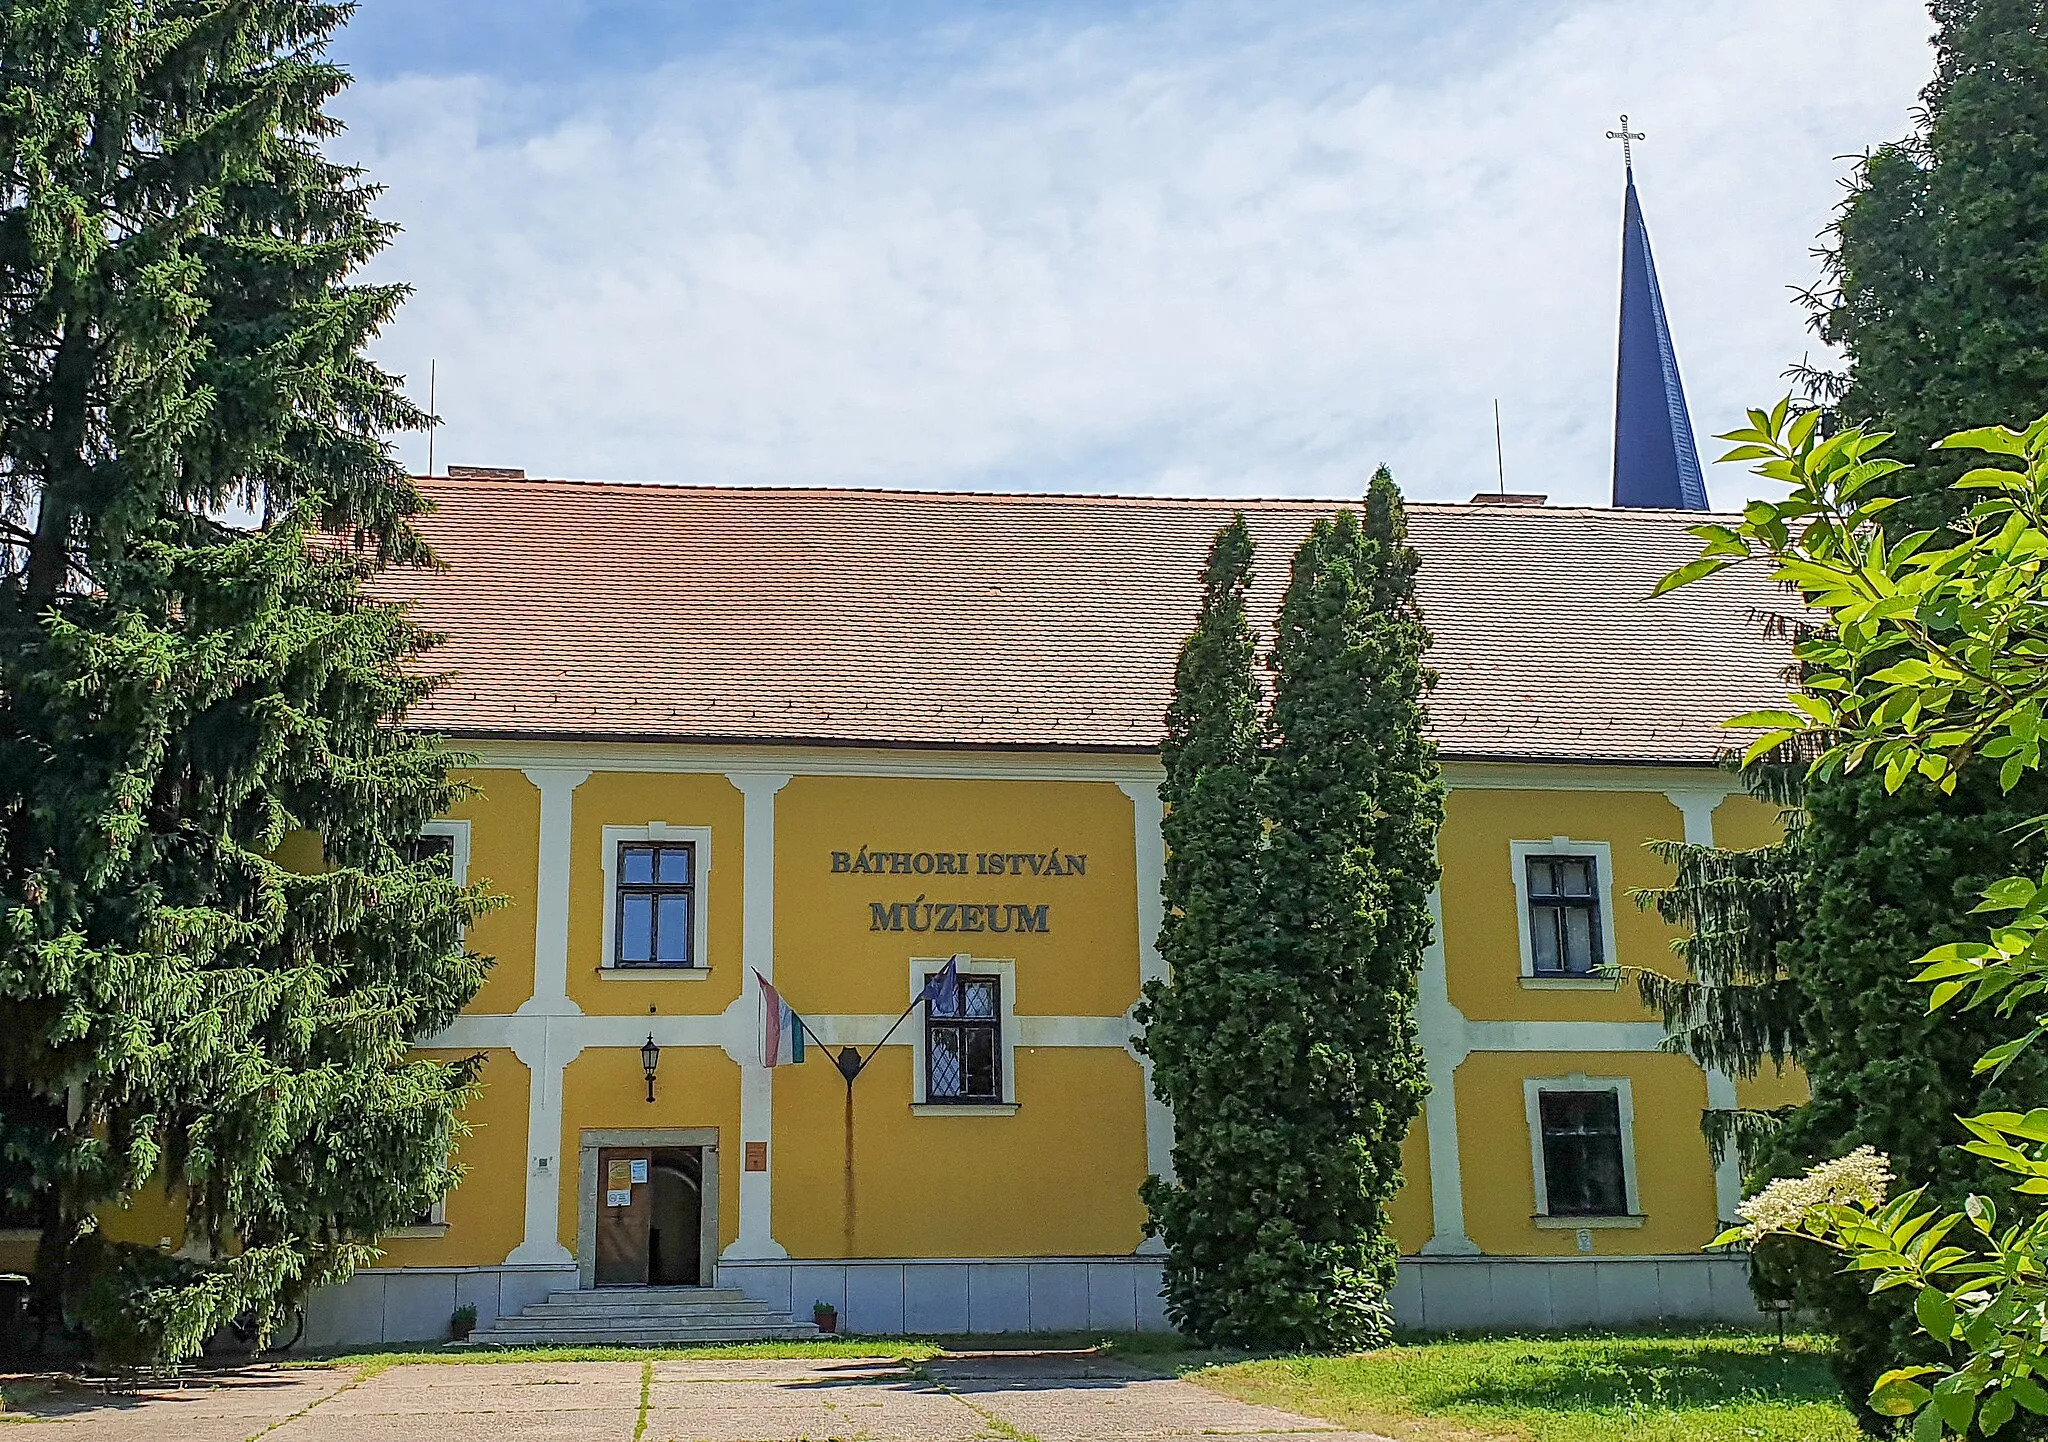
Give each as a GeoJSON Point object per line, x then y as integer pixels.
{"type": "Point", "coordinates": [436, 1224]}
{"type": "Point", "coordinates": [1005, 973]}
{"type": "Point", "coordinates": [1609, 975]}
{"type": "Point", "coordinates": [458, 832]}
{"type": "Point", "coordinates": [700, 922]}
{"type": "Point", "coordinates": [1534, 1087]}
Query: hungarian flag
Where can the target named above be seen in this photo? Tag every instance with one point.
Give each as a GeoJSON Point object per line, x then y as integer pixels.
{"type": "Point", "coordinates": [782, 1030]}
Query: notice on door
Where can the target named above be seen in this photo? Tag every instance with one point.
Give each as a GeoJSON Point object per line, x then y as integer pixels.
{"type": "Point", "coordinates": [618, 1184]}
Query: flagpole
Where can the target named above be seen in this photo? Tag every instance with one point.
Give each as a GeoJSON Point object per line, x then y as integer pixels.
{"type": "Point", "coordinates": [887, 1034]}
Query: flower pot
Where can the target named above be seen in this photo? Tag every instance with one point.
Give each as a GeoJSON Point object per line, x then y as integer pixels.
{"type": "Point", "coordinates": [828, 1322]}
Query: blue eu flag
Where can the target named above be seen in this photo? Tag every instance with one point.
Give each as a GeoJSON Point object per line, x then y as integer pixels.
{"type": "Point", "coordinates": [942, 992]}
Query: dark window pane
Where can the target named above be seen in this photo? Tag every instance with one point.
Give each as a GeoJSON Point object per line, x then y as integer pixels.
{"type": "Point", "coordinates": [673, 929]}
{"type": "Point", "coordinates": [437, 849]}
{"type": "Point", "coordinates": [1577, 877]}
{"type": "Point", "coordinates": [1583, 1169]}
{"type": "Point", "coordinates": [636, 864]}
{"type": "Point", "coordinates": [941, 1005]}
{"type": "Point", "coordinates": [980, 1048]}
{"type": "Point", "coordinates": [674, 864]}
{"type": "Point", "coordinates": [963, 1061]}
{"type": "Point", "coordinates": [943, 1044]}
{"type": "Point", "coordinates": [636, 928]}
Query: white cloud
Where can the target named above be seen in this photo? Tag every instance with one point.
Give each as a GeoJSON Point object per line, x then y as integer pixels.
{"type": "Point", "coordinates": [1197, 251]}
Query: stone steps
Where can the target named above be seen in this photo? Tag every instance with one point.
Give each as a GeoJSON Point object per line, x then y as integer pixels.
{"type": "Point", "coordinates": [644, 1316]}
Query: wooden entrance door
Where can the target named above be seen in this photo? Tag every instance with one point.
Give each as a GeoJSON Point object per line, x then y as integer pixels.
{"type": "Point", "coordinates": [649, 1216]}
{"type": "Point", "coordinates": [625, 1212]}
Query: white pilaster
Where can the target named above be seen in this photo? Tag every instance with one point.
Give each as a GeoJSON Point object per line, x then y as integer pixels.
{"type": "Point", "coordinates": [1727, 1171]}
{"type": "Point", "coordinates": [534, 1027]}
{"type": "Point", "coordinates": [545, 1056]}
{"type": "Point", "coordinates": [1698, 807]}
{"type": "Point", "coordinates": [550, 997]}
{"type": "Point", "coordinates": [1446, 1043]}
{"type": "Point", "coordinates": [756, 1240]}
{"type": "Point", "coordinates": [1148, 817]}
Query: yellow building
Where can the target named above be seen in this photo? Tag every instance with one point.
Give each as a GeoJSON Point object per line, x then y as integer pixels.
{"type": "Point", "coordinates": [837, 738]}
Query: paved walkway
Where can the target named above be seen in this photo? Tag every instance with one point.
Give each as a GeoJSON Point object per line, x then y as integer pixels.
{"type": "Point", "coordinates": [1063, 1397]}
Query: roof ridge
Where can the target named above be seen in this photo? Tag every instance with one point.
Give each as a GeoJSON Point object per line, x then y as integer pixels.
{"type": "Point", "coordinates": [500, 484]}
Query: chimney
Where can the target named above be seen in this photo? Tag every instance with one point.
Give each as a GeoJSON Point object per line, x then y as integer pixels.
{"type": "Point", "coordinates": [1484, 498]}
{"type": "Point", "coordinates": [488, 473]}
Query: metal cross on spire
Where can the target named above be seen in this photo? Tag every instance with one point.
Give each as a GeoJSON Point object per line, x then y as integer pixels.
{"type": "Point", "coordinates": [1627, 138]}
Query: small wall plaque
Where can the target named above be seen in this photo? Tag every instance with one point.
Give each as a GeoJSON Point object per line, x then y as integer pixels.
{"type": "Point", "coordinates": [757, 1156]}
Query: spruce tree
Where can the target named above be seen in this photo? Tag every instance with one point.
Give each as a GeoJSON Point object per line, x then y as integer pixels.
{"type": "Point", "coordinates": [180, 346]}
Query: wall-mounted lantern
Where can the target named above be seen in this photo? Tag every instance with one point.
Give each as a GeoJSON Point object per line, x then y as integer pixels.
{"type": "Point", "coordinates": [650, 1058]}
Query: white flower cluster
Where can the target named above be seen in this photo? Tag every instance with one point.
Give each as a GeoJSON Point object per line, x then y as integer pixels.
{"type": "Point", "coordinates": [1862, 1176]}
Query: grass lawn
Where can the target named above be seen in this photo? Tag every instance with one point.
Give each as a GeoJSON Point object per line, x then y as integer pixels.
{"type": "Point", "coordinates": [1625, 1387]}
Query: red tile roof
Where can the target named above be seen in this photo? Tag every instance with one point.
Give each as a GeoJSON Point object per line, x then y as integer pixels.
{"type": "Point", "coordinates": [891, 618]}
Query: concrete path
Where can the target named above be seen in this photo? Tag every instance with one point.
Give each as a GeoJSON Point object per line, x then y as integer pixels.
{"type": "Point", "coordinates": [1014, 1397]}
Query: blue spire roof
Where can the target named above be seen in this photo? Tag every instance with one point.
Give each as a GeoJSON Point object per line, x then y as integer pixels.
{"type": "Point", "coordinates": [1655, 461]}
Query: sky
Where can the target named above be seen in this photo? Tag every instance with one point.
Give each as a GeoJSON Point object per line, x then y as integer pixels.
{"type": "Point", "coordinates": [1204, 247]}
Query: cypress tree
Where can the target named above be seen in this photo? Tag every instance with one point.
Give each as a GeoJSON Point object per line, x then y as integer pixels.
{"type": "Point", "coordinates": [180, 692]}
{"type": "Point", "coordinates": [1300, 859]}
{"type": "Point", "coordinates": [1221, 997]}
{"type": "Point", "coordinates": [1354, 801]}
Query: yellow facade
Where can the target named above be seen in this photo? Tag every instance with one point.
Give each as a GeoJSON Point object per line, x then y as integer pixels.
{"type": "Point", "coordinates": [1674, 1177]}
{"type": "Point", "coordinates": [1481, 927]}
{"type": "Point", "coordinates": [848, 880]}
{"type": "Point", "coordinates": [504, 842]}
{"type": "Point", "coordinates": [1058, 1175]}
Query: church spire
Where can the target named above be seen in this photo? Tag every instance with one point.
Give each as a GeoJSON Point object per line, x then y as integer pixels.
{"type": "Point", "coordinates": [1655, 461]}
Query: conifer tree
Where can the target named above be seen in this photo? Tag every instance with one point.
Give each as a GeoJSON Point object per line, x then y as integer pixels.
{"type": "Point", "coordinates": [180, 344]}
{"type": "Point", "coordinates": [1933, 284]}
{"type": "Point", "coordinates": [1221, 996]}
{"type": "Point", "coordinates": [1932, 291]}
{"type": "Point", "coordinates": [1354, 800]}
{"type": "Point", "coordinates": [1299, 869]}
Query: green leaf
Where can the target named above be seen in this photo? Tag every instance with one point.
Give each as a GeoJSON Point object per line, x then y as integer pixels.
{"type": "Point", "coordinates": [1937, 1316]}
{"type": "Point", "coordinates": [1927, 1426]}
{"type": "Point", "coordinates": [1995, 439]}
{"type": "Point", "coordinates": [1687, 574]}
{"type": "Point", "coordinates": [2029, 1394]}
{"type": "Point", "coordinates": [1955, 1404]}
{"type": "Point", "coordinates": [1781, 720]}
{"type": "Point", "coordinates": [1898, 1393]}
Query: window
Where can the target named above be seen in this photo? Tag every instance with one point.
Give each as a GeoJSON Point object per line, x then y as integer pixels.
{"type": "Point", "coordinates": [657, 891]}
{"type": "Point", "coordinates": [1583, 1152]}
{"type": "Point", "coordinates": [1564, 915]}
{"type": "Point", "coordinates": [447, 844]}
{"type": "Point", "coordinates": [437, 847]}
{"type": "Point", "coordinates": [963, 1047]}
{"type": "Point", "coordinates": [656, 904]}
